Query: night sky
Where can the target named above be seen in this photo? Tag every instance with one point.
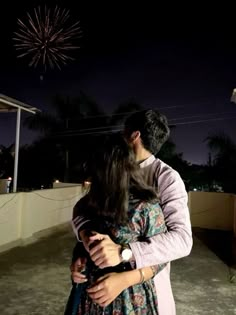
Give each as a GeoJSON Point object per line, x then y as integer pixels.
{"type": "Point", "coordinates": [180, 60]}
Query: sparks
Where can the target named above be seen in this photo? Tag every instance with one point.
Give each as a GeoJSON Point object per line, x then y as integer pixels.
{"type": "Point", "coordinates": [47, 37]}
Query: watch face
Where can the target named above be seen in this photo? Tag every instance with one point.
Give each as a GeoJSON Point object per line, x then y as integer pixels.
{"type": "Point", "coordinates": [126, 254]}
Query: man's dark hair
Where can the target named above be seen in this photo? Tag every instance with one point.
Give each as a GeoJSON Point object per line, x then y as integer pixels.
{"type": "Point", "coordinates": [152, 126]}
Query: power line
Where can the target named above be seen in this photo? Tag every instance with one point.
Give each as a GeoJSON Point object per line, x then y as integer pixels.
{"type": "Point", "coordinates": [136, 111]}
{"type": "Point", "coordinates": [87, 133]}
{"type": "Point", "coordinates": [205, 120]}
{"type": "Point", "coordinates": [124, 113]}
{"type": "Point", "coordinates": [107, 115]}
{"type": "Point", "coordinates": [203, 114]}
{"type": "Point", "coordinates": [120, 129]}
{"type": "Point", "coordinates": [109, 128]}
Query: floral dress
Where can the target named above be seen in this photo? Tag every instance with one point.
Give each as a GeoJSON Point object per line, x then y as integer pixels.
{"type": "Point", "coordinates": [145, 220]}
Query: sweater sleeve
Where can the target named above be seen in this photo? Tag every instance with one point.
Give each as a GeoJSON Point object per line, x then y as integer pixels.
{"type": "Point", "coordinates": [176, 242]}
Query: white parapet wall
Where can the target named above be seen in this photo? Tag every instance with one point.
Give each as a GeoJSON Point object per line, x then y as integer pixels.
{"type": "Point", "coordinates": [213, 210]}
{"type": "Point", "coordinates": [24, 214]}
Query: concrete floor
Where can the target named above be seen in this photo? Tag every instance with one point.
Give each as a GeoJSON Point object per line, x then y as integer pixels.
{"type": "Point", "coordinates": [35, 279]}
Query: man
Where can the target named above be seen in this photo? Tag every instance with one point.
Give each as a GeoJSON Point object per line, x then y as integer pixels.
{"type": "Point", "coordinates": [147, 131]}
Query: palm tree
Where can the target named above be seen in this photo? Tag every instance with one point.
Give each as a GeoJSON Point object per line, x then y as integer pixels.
{"type": "Point", "coordinates": [123, 111]}
{"type": "Point", "coordinates": [40, 164]}
{"type": "Point", "coordinates": [170, 156]}
{"type": "Point", "coordinates": [64, 125]}
{"type": "Point", "coordinates": [6, 161]}
{"type": "Point", "coordinates": [223, 151]}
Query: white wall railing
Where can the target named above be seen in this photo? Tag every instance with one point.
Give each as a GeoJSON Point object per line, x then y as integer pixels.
{"type": "Point", "coordinates": [212, 210]}
{"type": "Point", "coordinates": [24, 214]}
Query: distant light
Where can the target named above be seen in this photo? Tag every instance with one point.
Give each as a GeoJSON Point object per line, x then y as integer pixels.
{"type": "Point", "coordinates": [57, 181]}
{"type": "Point", "coordinates": [194, 189]}
{"type": "Point", "coordinates": [9, 178]}
{"type": "Point", "coordinates": [87, 184]}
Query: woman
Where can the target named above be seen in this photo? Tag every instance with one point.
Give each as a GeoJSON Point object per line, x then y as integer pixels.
{"type": "Point", "coordinates": [124, 207]}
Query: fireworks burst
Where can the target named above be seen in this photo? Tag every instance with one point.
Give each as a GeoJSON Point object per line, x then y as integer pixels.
{"type": "Point", "coordinates": [47, 37]}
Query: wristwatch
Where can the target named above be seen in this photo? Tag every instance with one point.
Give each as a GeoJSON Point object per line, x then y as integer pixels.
{"type": "Point", "coordinates": [125, 253]}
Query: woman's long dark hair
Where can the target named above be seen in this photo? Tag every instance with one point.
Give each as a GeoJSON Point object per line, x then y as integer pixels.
{"type": "Point", "coordinates": [115, 177]}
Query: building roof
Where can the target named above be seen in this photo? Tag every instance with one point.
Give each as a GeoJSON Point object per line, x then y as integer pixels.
{"type": "Point", "coordinates": [8, 104]}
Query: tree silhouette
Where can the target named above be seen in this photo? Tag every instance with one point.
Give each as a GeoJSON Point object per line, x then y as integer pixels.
{"type": "Point", "coordinates": [71, 133]}
{"type": "Point", "coordinates": [6, 161]}
{"type": "Point", "coordinates": [65, 127]}
{"type": "Point", "coordinates": [223, 161]}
